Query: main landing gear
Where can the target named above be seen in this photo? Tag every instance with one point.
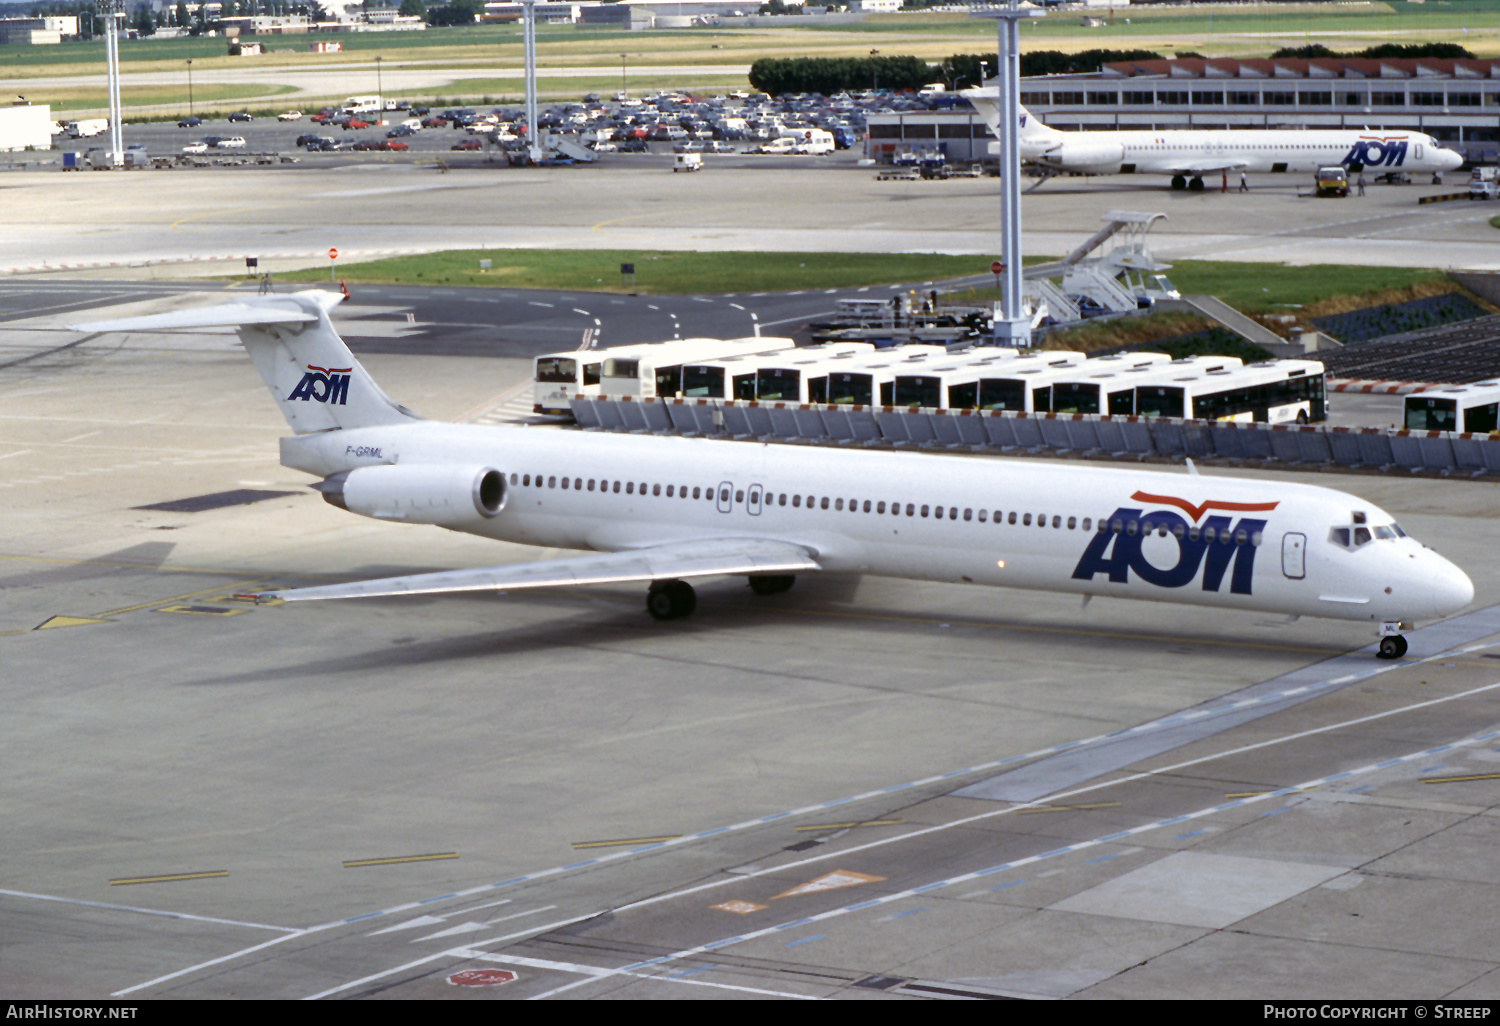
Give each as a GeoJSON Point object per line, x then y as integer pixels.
{"type": "Point", "coordinates": [670, 600]}
{"type": "Point", "coordinates": [1392, 644]}
{"type": "Point", "coordinates": [773, 585]}
{"type": "Point", "coordinates": [1180, 182]}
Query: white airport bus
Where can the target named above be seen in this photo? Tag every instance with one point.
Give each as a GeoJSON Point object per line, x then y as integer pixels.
{"type": "Point", "coordinates": [1112, 392]}
{"type": "Point", "coordinates": [1274, 392]}
{"type": "Point", "coordinates": [772, 376]}
{"type": "Point", "coordinates": [654, 369]}
{"type": "Point", "coordinates": [1469, 408]}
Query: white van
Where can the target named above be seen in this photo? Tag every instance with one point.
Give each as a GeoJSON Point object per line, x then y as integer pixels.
{"type": "Point", "coordinates": [814, 141]}
{"type": "Point", "coordinates": [88, 127]}
{"type": "Point", "coordinates": [785, 144]}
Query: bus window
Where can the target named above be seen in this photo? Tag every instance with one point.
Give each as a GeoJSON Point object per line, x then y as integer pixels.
{"type": "Point", "coordinates": [556, 370]}
{"type": "Point", "coordinates": [668, 381]}
{"type": "Point", "coordinates": [914, 390]}
{"type": "Point", "coordinates": [1481, 418]}
{"type": "Point", "coordinates": [1424, 414]}
{"type": "Point", "coordinates": [1071, 397]}
{"type": "Point", "coordinates": [963, 397]}
{"type": "Point", "coordinates": [703, 381]}
{"type": "Point", "coordinates": [591, 373]}
{"type": "Point", "coordinates": [744, 387]}
{"type": "Point", "coordinates": [887, 390]}
{"type": "Point", "coordinates": [1041, 399]}
{"type": "Point", "coordinates": [1158, 402]}
{"type": "Point", "coordinates": [857, 389]}
{"type": "Point", "coordinates": [774, 384]}
{"type": "Point", "coordinates": [817, 390]}
{"type": "Point", "coordinates": [621, 368]}
{"type": "Point", "coordinates": [1002, 394]}
{"type": "Point", "coordinates": [1122, 403]}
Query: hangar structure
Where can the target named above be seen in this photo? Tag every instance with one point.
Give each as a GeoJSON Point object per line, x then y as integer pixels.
{"type": "Point", "coordinates": [1456, 101]}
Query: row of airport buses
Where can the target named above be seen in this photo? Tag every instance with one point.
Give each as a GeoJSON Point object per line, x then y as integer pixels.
{"type": "Point", "coordinates": [980, 378]}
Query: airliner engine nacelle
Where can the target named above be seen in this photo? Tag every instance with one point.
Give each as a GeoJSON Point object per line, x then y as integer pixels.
{"type": "Point", "coordinates": [443, 495]}
{"type": "Point", "coordinates": [1101, 158]}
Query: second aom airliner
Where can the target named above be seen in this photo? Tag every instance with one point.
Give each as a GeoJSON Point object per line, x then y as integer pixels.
{"type": "Point", "coordinates": [664, 510]}
{"type": "Point", "coordinates": [1187, 154]}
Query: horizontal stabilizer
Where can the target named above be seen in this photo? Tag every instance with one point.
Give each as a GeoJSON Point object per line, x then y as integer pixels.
{"type": "Point", "coordinates": [223, 315]}
{"type": "Point", "coordinates": [699, 558]}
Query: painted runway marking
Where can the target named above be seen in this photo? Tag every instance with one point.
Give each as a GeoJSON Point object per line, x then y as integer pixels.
{"type": "Point", "coordinates": [209, 874]}
{"type": "Point", "coordinates": [1459, 780]}
{"type": "Point", "coordinates": [742, 908]}
{"type": "Point", "coordinates": [850, 826]}
{"type": "Point", "coordinates": [149, 911]}
{"type": "Point", "coordinates": [391, 860]}
{"type": "Point", "coordinates": [836, 880]}
{"type": "Point", "coordinates": [616, 844]}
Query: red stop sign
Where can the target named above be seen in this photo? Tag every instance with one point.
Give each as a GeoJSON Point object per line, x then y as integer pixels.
{"type": "Point", "coordinates": [997, 267]}
{"type": "Point", "coordinates": [333, 254]}
{"type": "Point", "coordinates": [482, 977]}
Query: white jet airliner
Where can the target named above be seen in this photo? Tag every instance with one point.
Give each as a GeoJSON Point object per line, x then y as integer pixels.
{"type": "Point", "coordinates": [1187, 154]}
{"type": "Point", "coordinates": [663, 510]}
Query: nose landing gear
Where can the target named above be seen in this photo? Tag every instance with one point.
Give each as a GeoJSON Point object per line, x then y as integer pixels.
{"type": "Point", "coordinates": [1392, 644]}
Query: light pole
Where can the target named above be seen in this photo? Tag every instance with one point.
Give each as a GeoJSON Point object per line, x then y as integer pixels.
{"type": "Point", "coordinates": [190, 87]}
{"type": "Point", "coordinates": [379, 89]}
{"type": "Point", "coordinates": [624, 92]}
{"type": "Point", "coordinates": [874, 71]}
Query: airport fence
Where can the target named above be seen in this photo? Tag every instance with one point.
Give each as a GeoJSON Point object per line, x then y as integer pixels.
{"type": "Point", "coordinates": [1064, 434]}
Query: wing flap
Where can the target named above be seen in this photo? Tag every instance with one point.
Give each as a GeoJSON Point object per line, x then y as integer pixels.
{"type": "Point", "coordinates": [704, 558]}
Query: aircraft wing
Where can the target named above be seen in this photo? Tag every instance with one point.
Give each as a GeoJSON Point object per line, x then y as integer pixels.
{"type": "Point", "coordinates": [697, 558]}
{"type": "Point", "coordinates": [1203, 167]}
{"type": "Point", "coordinates": [224, 315]}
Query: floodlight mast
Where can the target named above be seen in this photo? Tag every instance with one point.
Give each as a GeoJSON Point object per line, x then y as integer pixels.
{"type": "Point", "coordinates": [1012, 328]}
{"type": "Point", "coordinates": [528, 22]}
{"type": "Point", "coordinates": [113, 10]}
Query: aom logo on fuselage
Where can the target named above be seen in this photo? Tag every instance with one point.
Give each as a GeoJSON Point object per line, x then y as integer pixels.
{"type": "Point", "coordinates": [1377, 152]}
{"type": "Point", "coordinates": [1212, 544]}
{"type": "Point", "coordinates": [324, 385]}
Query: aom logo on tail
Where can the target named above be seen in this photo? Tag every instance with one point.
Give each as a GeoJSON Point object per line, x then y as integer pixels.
{"type": "Point", "coordinates": [1214, 544]}
{"type": "Point", "coordinates": [323, 384]}
{"type": "Point", "coordinates": [1377, 151]}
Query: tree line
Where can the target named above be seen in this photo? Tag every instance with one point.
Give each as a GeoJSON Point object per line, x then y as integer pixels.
{"type": "Point", "coordinates": [825, 75]}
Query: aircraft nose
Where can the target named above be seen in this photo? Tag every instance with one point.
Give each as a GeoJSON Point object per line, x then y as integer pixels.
{"type": "Point", "coordinates": [1451, 160]}
{"type": "Point", "coordinates": [1451, 588]}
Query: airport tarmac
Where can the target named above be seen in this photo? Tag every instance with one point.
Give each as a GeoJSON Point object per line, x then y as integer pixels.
{"type": "Point", "coordinates": [207, 220]}
{"type": "Point", "coordinates": [861, 788]}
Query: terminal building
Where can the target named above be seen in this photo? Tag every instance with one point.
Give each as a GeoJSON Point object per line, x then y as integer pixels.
{"type": "Point", "coordinates": [1456, 101]}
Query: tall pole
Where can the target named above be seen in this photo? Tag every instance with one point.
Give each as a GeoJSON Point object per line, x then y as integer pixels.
{"type": "Point", "coordinates": [1012, 327]}
{"type": "Point", "coordinates": [190, 87]}
{"type": "Point", "coordinates": [624, 92]}
{"type": "Point", "coordinates": [528, 23]}
{"type": "Point", "coordinates": [113, 10]}
{"type": "Point", "coordinates": [379, 87]}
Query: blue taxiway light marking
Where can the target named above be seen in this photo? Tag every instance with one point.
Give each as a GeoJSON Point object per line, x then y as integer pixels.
{"type": "Point", "coordinates": [1116, 837]}
{"type": "Point", "coordinates": [773, 816]}
{"type": "Point", "coordinates": [797, 922]}
{"type": "Point", "coordinates": [1356, 790]}
{"type": "Point", "coordinates": [909, 912]}
{"type": "Point", "coordinates": [580, 865]}
{"type": "Point", "coordinates": [1273, 812]}
{"type": "Point", "coordinates": [928, 887]}
{"type": "Point", "coordinates": [1102, 858]}
{"type": "Point", "coordinates": [367, 915]}
{"type": "Point", "coordinates": [1001, 887]}
{"type": "Point", "coordinates": [1337, 776]}
{"type": "Point", "coordinates": [1434, 769]}
{"type": "Point", "coordinates": [514, 879]}
{"type": "Point", "coordinates": [992, 869]}
{"type": "Point", "coordinates": [1190, 833]}
{"type": "Point", "coordinates": [722, 943]}
{"type": "Point", "coordinates": [649, 847]}
{"type": "Point", "coordinates": [707, 833]}
{"type": "Point", "coordinates": [429, 901]}
{"type": "Point", "coordinates": [836, 801]}
{"type": "Point", "coordinates": [1439, 748]}
{"type": "Point", "coordinates": [805, 940]}
{"type": "Point", "coordinates": [689, 972]}
{"type": "Point", "coordinates": [863, 904]}
{"type": "Point", "coordinates": [1388, 762]}
{"type": "Point", "coordinates": [1174, 819]}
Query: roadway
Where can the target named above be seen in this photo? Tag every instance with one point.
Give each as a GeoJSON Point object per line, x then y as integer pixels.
{"type": "Point", "coordinates": [805, 795]}
{"type": "Point", "coordinates": [207, 220]}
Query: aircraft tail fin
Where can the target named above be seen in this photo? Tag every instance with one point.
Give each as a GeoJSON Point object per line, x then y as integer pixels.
{"type": "Point", "coordinates": [317, 383]}
{"type": "Point", "coordinates": [986, 100]}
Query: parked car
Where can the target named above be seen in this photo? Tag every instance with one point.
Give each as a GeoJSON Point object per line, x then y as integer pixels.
{"type": "Point", "coordinates": [419, 111]}
{"type": "Point", "coordinates": [233, 142]}
{"type": "Point", "coordinates": [239, 115]}
{"type": "Point", "coordinates": [367, 144]}
{"type": "Point", "coordinates": [467, 144]}
{"type": "Point", "coordinates": [392, 144]}
{"type": "Point", "coordinates": [289, 115]}
{"type": "Point", "coordinates": [399, 131]}
{"type": "Point", "coordinates": [604, 147]}
{"type": "Point", "coordinates": [197, 147]}
{"type": "Point", "coordinates": [434, 123]}
{"type": "Point", "coordinates": [635, 146]}
{"type": "Point", "coordinates": [719, 146]}
{"type": "Point", "coordinates": [355, 123]}
{"type": "Point", "coordinates": [189, 122]}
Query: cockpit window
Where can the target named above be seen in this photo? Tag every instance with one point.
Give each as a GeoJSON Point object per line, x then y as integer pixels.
{"type": "Point", "coordinates": [1361, 536]}
{"type": "Point", "coordinates": [1340, 537]}
{"type": "Point", "coordinates": [1358, 534]}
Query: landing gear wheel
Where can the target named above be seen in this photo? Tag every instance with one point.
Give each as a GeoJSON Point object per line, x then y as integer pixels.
{"type": "Point", "coordinates": [670, 600]}
{"type": "Point", "coordinates": [772, 585]}
{"type": "Point", "coordinates": [1196, 185]}
{"type": "Point", "coordinates": [1179, 182]}
{"type": "Point", "coordinates": [1393, 647]}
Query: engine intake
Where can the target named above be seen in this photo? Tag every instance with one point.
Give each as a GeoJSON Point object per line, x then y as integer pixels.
{"type": "Point", "coordinates": [419, 494]}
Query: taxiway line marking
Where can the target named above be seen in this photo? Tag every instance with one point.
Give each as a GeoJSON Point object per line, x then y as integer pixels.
{"type": "Point", "coordinates": [207, 874]}
{"type": "Point", "coordinates": [179, 598]}
{"type": "Point", "coordinates": [149, 911]}
{"type": "Point", "coordinates": [844, 854]}
{"type": "Point", "coordinates": [850, 826]}
{"type": "Point", "coordinates": [436, 856]}
{"type": "Point", "coordinates": [1457, 780]}
{"type": "Point", "coordinates": [1072, 808]}
{"type": "Point", "coordinates": [631, 840]}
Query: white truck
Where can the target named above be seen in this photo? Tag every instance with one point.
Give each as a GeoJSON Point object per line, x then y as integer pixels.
{"type": "Point", "coordinates": [362, 105]}
{"type": "Point", "coordinates": [88, 127]}
{"type": "Point", "coordinates": [1484, 183]}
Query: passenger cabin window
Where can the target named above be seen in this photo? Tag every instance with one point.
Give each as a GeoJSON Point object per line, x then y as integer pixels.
{"type": "Point", "coordinates": [557, 371]}
{"type": "Point", "coordinates": [591, 373]}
